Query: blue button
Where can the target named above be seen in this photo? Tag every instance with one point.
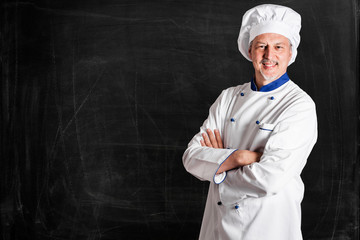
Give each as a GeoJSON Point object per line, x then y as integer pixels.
{"type": "Point", "coordinates": [233, 120]}
{"type": "Point", "coordinates": [257, 122]}
{"type": "Point", "coordinates": [237, 207]}
{"type": "Point", "coordinates": [242, 94]}
{"type": "Point", "coordinates": [272, 98]}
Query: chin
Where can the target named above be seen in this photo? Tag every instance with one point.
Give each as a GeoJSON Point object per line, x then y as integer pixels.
{"type": "Point", "coordinates": [269, 77]}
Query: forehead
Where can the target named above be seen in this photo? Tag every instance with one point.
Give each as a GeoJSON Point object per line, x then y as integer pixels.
{"type": "Point", "coordinates": [272, 38]}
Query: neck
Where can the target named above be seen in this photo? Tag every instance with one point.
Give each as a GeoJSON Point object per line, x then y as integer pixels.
{"type": "Point", "coordinates": [261, 81]}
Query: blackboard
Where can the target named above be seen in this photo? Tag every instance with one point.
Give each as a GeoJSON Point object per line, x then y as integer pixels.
{"type": "Point", "coordinates": [100, 98]}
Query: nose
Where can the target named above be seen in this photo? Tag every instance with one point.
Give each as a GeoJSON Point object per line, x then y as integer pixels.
{"type": "Point", "coordinates": [268, 53]}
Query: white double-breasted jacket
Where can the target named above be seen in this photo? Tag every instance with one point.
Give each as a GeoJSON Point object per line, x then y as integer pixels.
{"type": "Point", "coordinates": [260, 201]}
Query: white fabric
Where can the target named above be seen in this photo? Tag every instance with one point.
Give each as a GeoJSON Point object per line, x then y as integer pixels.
{"type": "Point", "coordinates": [260, 201]}
{"type": "Point", "coordinates": [269, 18]}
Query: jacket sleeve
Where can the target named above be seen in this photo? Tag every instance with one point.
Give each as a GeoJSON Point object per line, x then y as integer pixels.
{"type": "Point", "coordinates": [203, 162]}
{"type": "Point", "coordinates": [284, 157]}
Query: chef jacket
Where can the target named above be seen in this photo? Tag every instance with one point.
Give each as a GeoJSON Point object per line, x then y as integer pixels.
{"type": "Point", "coordinates": [262, 200]}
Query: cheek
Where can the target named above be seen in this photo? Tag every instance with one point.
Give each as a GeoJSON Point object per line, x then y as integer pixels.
{"type": "Point", "coordinates": [253, 55]}
{"type": "Point", "coordinates": [255, 58]}
{"type": "Point", "coordinates": [285, 58]}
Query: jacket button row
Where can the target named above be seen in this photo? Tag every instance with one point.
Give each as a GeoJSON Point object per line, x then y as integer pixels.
{"type": "Point", "coordinates": [220, 203]}
{"type": "Point", "coordinates": [243, 94]}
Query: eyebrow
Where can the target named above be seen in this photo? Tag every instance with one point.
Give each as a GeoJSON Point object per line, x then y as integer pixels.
{"type": "Point", "coordinates": [279, 43]}
{"type": "Point", "coordinates": [260, 42]}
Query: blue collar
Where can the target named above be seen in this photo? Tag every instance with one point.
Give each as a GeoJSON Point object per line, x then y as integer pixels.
{"type": "Point", "coordinates": [271, 86]}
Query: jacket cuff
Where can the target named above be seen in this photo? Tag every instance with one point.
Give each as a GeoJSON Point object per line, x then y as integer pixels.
{"type": "Point", "coordinates": [219, 178]}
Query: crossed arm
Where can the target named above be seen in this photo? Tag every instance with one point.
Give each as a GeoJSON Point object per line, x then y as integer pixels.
{"type": "Point", "coordinates": [237, 159]}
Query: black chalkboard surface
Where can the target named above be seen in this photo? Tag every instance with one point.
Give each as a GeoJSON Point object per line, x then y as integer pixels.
{"type": "Point", "coordinates": [100, 98]}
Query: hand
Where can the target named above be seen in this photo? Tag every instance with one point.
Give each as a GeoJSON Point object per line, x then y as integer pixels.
{"type": "Point", "coordinates": [237, 159]}
{"type": "Point", "coordinates": [211, 139]}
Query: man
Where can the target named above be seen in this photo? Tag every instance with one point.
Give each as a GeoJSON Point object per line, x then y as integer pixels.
{"type": "Point", "coordinates": [257, 138]}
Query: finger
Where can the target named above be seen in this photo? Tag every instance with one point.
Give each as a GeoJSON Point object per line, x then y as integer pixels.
{"type": "Point", "coordinates": [202, 143]}
{"type": "Point", "coordinates": [206, 140]}
{"type": "Point", "coordinates": [218, 138]}
{"type": "Point", "coordinates": [212, 138]}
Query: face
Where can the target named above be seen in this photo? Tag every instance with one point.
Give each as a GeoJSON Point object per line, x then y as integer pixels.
{"type": "Point", "coordinates": [270, 54]}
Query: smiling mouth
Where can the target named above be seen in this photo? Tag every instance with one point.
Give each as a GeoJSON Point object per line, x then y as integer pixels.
{"type": "Point", "coordinates": [269, 64]}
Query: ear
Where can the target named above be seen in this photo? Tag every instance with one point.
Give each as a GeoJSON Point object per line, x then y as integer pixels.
{"type": "Point", "coordinates": [290, 48]}
{"type": "Point", "coordinates": [290, 56]}
{"type": "Point", "coordinates": [249, 51]}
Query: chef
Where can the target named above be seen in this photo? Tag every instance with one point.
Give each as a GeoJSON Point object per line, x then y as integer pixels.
{"type": "Point", "coordinates": [257, 138]}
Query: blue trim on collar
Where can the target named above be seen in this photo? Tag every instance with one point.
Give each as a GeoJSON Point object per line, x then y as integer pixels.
{"type": "Point", "coordinates": [271, 86]}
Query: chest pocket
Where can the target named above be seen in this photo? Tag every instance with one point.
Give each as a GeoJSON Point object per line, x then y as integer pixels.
{"type": "Point", "coordinates": [261, 137]}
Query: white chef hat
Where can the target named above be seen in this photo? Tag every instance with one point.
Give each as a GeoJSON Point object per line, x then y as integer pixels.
{"type": "Point", "coordinates": [269, 18]}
